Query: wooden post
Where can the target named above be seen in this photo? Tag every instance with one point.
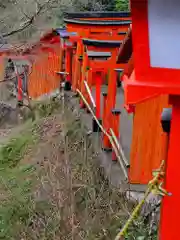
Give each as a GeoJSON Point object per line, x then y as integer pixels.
{"type": "Point", "coordinates": [111, 100]}
{"type": "Point", "coordinates": [20, 90]}
{"type": "Point", "coordinates": [83, 78]}
{"type": "Point", "coordinates": [104, 106]}
{"type": "Point", "coordinates": [98, 82]}
{"type": "Point", "coordinates": [115, 127]}
{"type": "Point", "coordinates": [89, 81]}
{"type": "Point", "coordinates": [98, 94]}
{"type": "Point", "coordinates": [77, 66]}
{"type": "Point", "coordinates": [170, 206]}
{"type": "Point", "coordinates": [68, 68]}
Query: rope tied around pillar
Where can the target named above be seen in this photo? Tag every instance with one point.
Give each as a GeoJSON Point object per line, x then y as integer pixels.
{"type": "Point", "coordinates": [154, 187]}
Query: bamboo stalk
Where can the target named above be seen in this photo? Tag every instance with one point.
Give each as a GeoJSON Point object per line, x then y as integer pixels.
{"type": "Point", "coordinates": [106, 133]}
{"type": "Point", "coordinates": [90, 94]}
{"type": "Point", "coordinates": [119, 148]}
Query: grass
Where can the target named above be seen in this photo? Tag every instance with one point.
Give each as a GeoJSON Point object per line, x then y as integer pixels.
{"type": "Point", "coordinates": [18, 208]}
{"type": "Point", "coordinates": [15, 182]}
{"type": "Point", "coordinates": [12, 153]}
{"type": "Point", "coordinates": [63, 194]}
{"type": "Point", "coordinates": [46, 108]}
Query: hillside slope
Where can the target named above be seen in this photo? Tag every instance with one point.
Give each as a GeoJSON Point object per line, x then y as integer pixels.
{"type": "Point", "coordinates": [53, 188]}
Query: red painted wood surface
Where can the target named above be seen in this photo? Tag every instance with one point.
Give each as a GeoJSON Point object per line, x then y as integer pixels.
{"type": "Point", "coordinates": [170, 210]}
{"type": "Point", "coordinates": [20, 88]}
{"type": "Point", "coordinates": [43, 78]}
{"type": "Point", "coordinates": [99, 81]}
{"type": "Point", "coordinates": [147, 81]}
{"type": "Point", "coordinates": [148, 141]}
{"type": "Point", "coordinates": [110, 104]}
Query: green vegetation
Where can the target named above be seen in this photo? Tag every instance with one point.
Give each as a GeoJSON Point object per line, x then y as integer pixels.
{"type": "Point", "coordinates": [18, 207]}
{"type": "Point", "coordinates": [122, 5]}
{"type": "Point", "coordinates": [15, 182]}
{"type": "Point", "coordinates": [16, 204]}
{"type": "Point", "coordinates": [53, 188]}
{"type": "Point", "coordinates": [12, 153]}
{"type": "Point", "coordinates": [46, 108]}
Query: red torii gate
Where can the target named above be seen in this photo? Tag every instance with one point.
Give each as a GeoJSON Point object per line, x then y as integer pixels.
{"type": "Point", "coordinates": [94, 29]}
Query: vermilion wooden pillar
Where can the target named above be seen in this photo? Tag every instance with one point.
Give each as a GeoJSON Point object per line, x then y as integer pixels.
{"type": "Point", "coordinates": [169, 223]}
{"type": "Point", "coordinates": [98, 84]}
{"type": "Point", "coordinates": [115, 127]}
{"type": "Point", "coordinates": [68, 64]}
{"type": "Point", "coordinates": [90, 82]}
{"type": "Point", "coordinates": [99, 81]}
{"type": "Point", "coordinates": [77, 66]}
{"type": "Point", "coordinates": [20, 90]}
{"type": "Point", "coordinates": [83, 78]}
{"type": "Point", "coordinates": [104, 106]}
{"type": "Point", "coordinates": [73, 66]}
{"type": "Point", "coordinates": [110, 104]}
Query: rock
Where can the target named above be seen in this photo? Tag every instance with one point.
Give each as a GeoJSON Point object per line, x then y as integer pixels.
{"type": "Point", "coordinates": [8, 114]}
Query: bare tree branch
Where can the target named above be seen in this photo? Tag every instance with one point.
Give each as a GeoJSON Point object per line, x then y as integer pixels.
{"type": "Point", "coordinates": [29, 22]}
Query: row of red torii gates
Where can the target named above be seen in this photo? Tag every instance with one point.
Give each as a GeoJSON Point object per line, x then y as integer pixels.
{"type": "Point", "coordinates": [94, 49]}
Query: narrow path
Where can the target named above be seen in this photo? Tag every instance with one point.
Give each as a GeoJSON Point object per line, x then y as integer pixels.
{"type": "Point", "coordinates": [113, 170]}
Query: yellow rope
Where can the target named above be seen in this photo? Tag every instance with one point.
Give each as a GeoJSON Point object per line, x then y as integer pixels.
{"type": "Point", "coordinates": [132, 217]}
{"type": "Point", "coordinates": [153, 186]}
